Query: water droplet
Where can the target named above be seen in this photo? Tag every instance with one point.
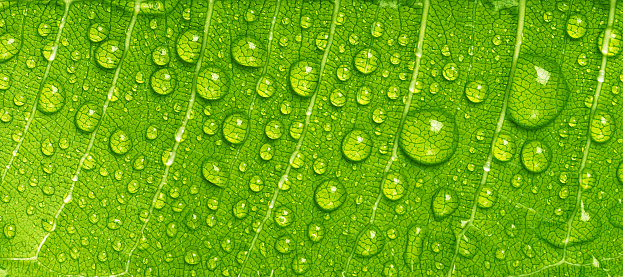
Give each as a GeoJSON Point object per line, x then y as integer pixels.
{"type": "Point", "coordinates": [189, 46]}
{"type": "Point", "coordinates": [588, 179]}
{"type": "Point", "coordinates": [98, 32]}
{"type": "Point", "coordinates": [192, 257]}
{"type": "Point", "coordinates": [602, 126]}
{"type": "Point", "coordinates": [241, 209]}
{"type": "Point", "coordinates": [300, 264]}
{"type": "Point", "coordinates": [5, 81]}
{"type": "Point", "coordinates": [133, 186]}
{"type": "Point", "coordinates": [248, 52]}
{"type": "Point", "coordinates": [151, 133]}
{"type": "Point", "coordinates": [265, 87]}
{"type": "Point", "coordinates": [476, 91]}
{"type": "Point", "coordinates": [356, 146]}
{"type": "Point", "coordinates": [364, 96]}
{"type": "Point", "coordinates": [304, 78]}
{"type": "Point", "coordinates": [9, 46]}
{"type": "Point", "coordinates": [51, 98]}
{"type": "Point", "coordinates": [450, 71]}
{"type": "Point", "coordinates": [120, 142]}
{"type": "Point", "coordinates": [9, 231]}
{"type": "Point", "coordinates": [44, 29]}
{"type": "Point", "coordinates": [582, 59]}
{"type": "Point", "coordinates": [306, 21]}
{"type": "Point", "coordinates": [114, 223]}
{"type": "Point", "coordinates": [614, 44]}
{"type": "Point", "coordinates": [487, 198]}
{"type": "Point", "coordinates": [367, 61]}
{"type": "Point", "coordinates": [284, 244]}
{"type": "Point", "coordinates": [394, 186]}
{"type": "Point", "coordinates": [322, 40]}
{"type": "Point", "coordinates": [212, 83]}
{"type": "Point", "coordinates": [370, 242]}
{"type": "Point", "coordinates": [330, 195]}
{"type": "Point", "coordinates": [108, 54]}
{"type": "Point", "coordinates": [429, 136]}
{"type": "Point", "coordinates": [344, 73]}
{"type": "Point", "coordinates": [274, 129]}
{"type": "Point", "coordinates": [88, 117]}
{"type": "Point", "coordinates": [162, 81]}
{"type": "Point", "coordinates": [576, 26]}
{"type": "Point", "coordinates": [538, 92]}
{"type": "Point", "coordinates": [266, 152]}
{"type": "Point", "coordinates": [445, 202]}
{"type": "Point", "coordinates": [377, 29]}
{"type": "Point", "coordinates": [235, 128]}
{"type": "Point", "coordinates": [215, 173]}
{"type": "Point", "coordinates": [379, 115]}
{"type": "Point", "coordinates": [338, 97]}
{"type": "Point", "coordinates": [535, 156]}
{"type": "Point", "coordinates": [210, 127]}
{"type": "Point", "coordinates": [283, 216]}
{"type": "Point", "coordinates": [315, 232]}
{"type": "Point", "coordinates": [585, 226]}
{"type": "Point", "coordinates": [160, 55]}
{"type": "Point", "coordinates": [504, 148]}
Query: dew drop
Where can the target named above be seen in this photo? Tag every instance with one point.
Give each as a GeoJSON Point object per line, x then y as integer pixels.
{"type": "Point", "coordinates": [429, 136]}
{"type": "Point", "coordinates": [88, 117]}
{"type": "Point", "coordinates": [356, 146]}
{"type": "Point", "coordinates": [330, 195]}
{"type": "Point", "coordinates": [212, 83]}
{"type": "Point", "coordinates": [108, 54]}
{"type": "Point", "coordinates": [304, 78]}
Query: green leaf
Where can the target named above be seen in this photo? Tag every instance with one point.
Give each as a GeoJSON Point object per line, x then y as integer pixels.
{"type": "Point", "coordinates": [316, 138]}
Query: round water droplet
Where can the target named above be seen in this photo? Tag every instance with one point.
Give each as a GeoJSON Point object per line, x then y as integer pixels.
{"type": "Point", "coordinates": [535, 156]}
{"type": "Point", "coordinates": [212, 83]}
{"type": "Point", "coordinates": [44, 29]}
{"type": "Point", "coordinates": [189, 46]}
{"type": "Point", "coordinates": [394, 186]}
{"type": "Point", "coordinates": [120, 142]}
{"type": "Point", "coordinates": [588, 179]}
{"type": "Point", "coordinates": [370, 242]}
{"type": "Point", "coordinates": [338, 97]}
{"type": "Point", "coordinates": [315, 232]}
{"type": "Point", "coordinates": [133, 186]}
{"type": "Point", "coordinates": [241, 209]}
{"type": "Point", "coordinates": [265, 87]}
{"type": "Point", "coordinates": [88, 117]}
{"type": "Point", "coordinates": [330, 195]}
{"type": "Point", "coordinates": [248, 52]}
{"type": "Point", "coordinates": [51, 98]}
{"type": "Point", "coordinates": [5, 81]}
{"type": "Point", "coordinates": [284, 244]}
{"type": "Point", "coordinates": [322, 40]}
{"type": "Point", "coordinates": [283, 216]}
{"type": "Point", "coordinates": [364, 96]}
{"type": "Point", "coordinates": [445, 202]}
{"type": "Point", "coordinates": [9, 231]}
{"type": "Point", "coordinates": [9, 46]}
{"type": "Point", "coordinates": [476, 91]}
{"type": "Point", "coordinates": [344, 73]}
{"type": "Point", "coordinates": [357, 145]}
{"type": "Point", "coordinates": [504, 148]}
{"type": "Point", "coordinates": [538, 92]}
{"type": "Point", "coordinates": [602, 126]}
{"type": "Point", "coordinates": [487, 198]}
{"type": "Point", "coordinates": [377, 29]}
{"type": "Point", "coordinates": [576, 26]}
{"type": "Point", "coordinates": [450, 71]}
{"type": "Point", "coordinates": [192, 257]}
{"type": "Point", "coordinates": [379, 115]}
{"type": "Point", "coordinates": [108, 54]}
{"type": "Point", "coordinates": [300, 264]}
{"type": "Point", "coordinates": [98, 32]}
{"type": "Point", "coordinates": [306, 21]}
{"type": "Point", "coordinates": [614, 44]}
{"type": "Point", "coordinates": [210, 127]}
{"type": "Point", "coordinates": [215, 173]}
{"type": "Point", "coordinates": [266, 152]}
{"type": "Point", "coordinates": [114, 223]}
{"type": "Point", "coordinates": [367, 61]}
{"type": "Point", "coordinates": [429, 136]}
{"type": "Point", "coordinates": [162, 81]}
{"type": "Point", "coordinates": [304, 78]}
{"type": "Point", "coordinates": [235, 128]}
{"type": "Point", "coordinates": [161, 55]}
{"type": "Point", "coordinates": [274, 129]}
{"type": "Point", "coordinates": [151, 133]}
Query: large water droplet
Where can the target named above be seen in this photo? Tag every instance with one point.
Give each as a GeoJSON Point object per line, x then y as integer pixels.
{"type": "Point", "coordinates": [88, 117]}
{"type": "Point", "coordinates": [5, 81]}
{"type": "Point", "coordinates": [98, 32]}
{"type": "Point", "coordinates": [304, 78]}
{"type": "Point", "coordinates": [51, 98]}
{"type": "Point", "coordinates": [444, 203]}
{"type": "Point", "coordinates": [212, 83]}
{"type": "Point", "coordinates": [108, 54]}
{"type": "Point", "coordinates": [274, 129]}
{"type": "Point", "coordinates": [215, 173]}
{"type": "Point", "coordinates": [235, 128]}
{"type": "Point", "coordinates": [367, 60]}
{"type": "Point", "coordinates": [160, 55]}
{"type": "Point", "coordinates": [192, 257]}
{"type": "Point", "coordinates": [487, 198]}
{"type": "Point", "coordinates": [162, 81]}
{"type": "Point", "coordinates": [370, 242]}
{"type": "Point", "coordinates": [330, 195]}
{"type": "Point", "coordinates": [265, 87]}
{"type": "Point", "coordinates": [538, 92]}
{"type": "Point", "coordinates": [535, 156]}
{"type": "Point", "coordinates": [450, 71]}
{"type": "Point", "coordinates": [394, 186]}
{"type": "Point", "coordinates": [9, 46]}
{"type": "Point", "coordinates": [189, 46]}
{"type": "Point", "coordinates": [576, 26]}
{"type": "Point", "coordinates": [284, 244]}
{"type": "Point", "coordinates": [585, 227]}
{"type": "Point", "coordinates": [504, 148]}
{"type": "Point", "coordinates": [476, 91]}
{"type": "Point", "coordinates": [300, 264]}
{"type": "Point", "coordinates": [315, 232]}
{"type": "Point", "coordinates": [283, 216]}
{"type": "Point", "coordinates": [602, 126]}
{"type": "Point", "coordinates": [120, 142]}
{"type": "Point", "coordinates": [614, 44]}
{"type": "Point", "coordinates": [357, 145]}
{"type": "Point", "coordinates": [429, 136]}
{"type": "Point", "coordinates": [248, 52]}
{"type": "Point", "coordinates": [241, 209]}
